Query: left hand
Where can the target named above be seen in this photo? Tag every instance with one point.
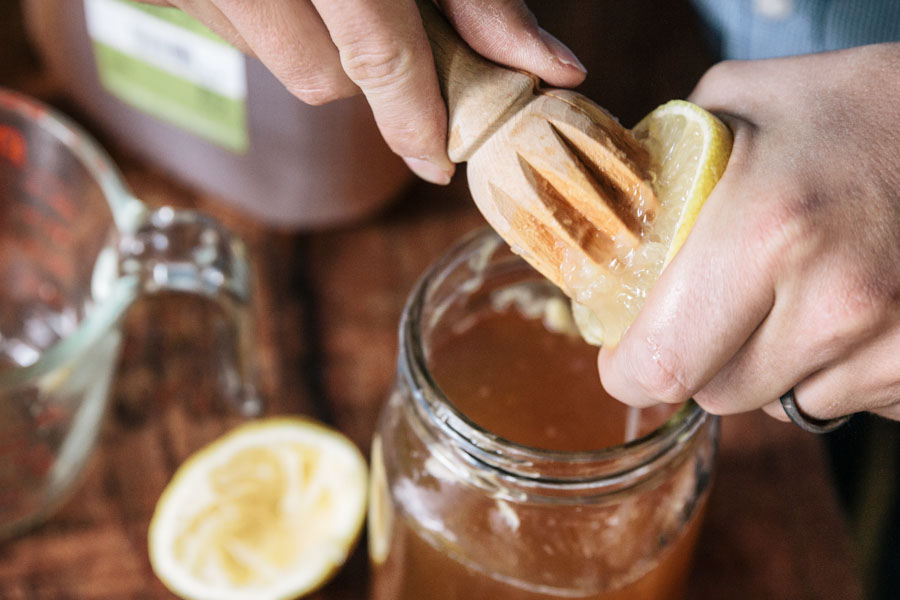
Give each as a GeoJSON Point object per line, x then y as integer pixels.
{"type": "Point", "coordinates": [791, 275]}
{"type": "Point", "coordinates": [323, 50]}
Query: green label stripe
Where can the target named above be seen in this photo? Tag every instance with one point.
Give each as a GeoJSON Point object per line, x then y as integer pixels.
{"type": "Point", "coordinates": [175, 17]}
{"type": "Point", "coordinates": [180, 102]}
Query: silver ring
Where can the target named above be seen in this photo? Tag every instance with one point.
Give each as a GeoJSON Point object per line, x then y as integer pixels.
{"type": "Point", "coordinates": [789, 403]}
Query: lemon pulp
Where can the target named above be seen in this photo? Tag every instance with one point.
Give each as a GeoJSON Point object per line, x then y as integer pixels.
{"type": "Point", "coordinates": [689, 149]}
{"type": "Point", "coordinates": [268, 511]}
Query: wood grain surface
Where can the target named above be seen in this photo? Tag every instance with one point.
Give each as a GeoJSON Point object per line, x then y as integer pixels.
{"type": "Point", "coordinates": [327, 306]}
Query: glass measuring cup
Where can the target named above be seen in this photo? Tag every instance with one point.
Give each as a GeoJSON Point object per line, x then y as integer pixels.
{"type": "Point", "coordinates": [76, 250]}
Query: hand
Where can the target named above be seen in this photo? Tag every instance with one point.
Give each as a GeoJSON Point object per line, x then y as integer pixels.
{"type": "Point", "coordinates": [323, 50]}
{"type": "Point", "coordinates": [791, 275]}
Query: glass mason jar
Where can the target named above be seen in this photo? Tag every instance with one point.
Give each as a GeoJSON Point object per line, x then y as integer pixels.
{"type": "Point", "coordinates": [459, 512]}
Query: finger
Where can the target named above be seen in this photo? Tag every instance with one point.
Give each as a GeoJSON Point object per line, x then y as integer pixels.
{"type": "Point", "coordinates": [384, 50]}
{"type": "Point", "coordinates": [819, 319]}
{"type": "Point", "coordinates": [889, 412]}
{"type": "Point", "coordinates": [289, 37]}
{"type": "Point", "coordinates": [207, 13]}
{"type": "Point", "coordinates": [866, 380]}
{"type": "Point", "coordinates": [508, 33]}
{"type": "Point", "coordinates": [724, 89]}
{"type": "Point", "coordinates": [706, 304]}
{"type": "Point", "coordinates": [775, 410]}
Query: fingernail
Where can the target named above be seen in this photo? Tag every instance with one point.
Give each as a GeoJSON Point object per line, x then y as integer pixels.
{"type": "Point", "coordinates": [560, 51]}
{"type": "Point", "coordinates": [429, 171]}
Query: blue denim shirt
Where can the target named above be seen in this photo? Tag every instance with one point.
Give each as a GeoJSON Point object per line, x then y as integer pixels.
{"type": "Point", "coordinates": [752, 29]}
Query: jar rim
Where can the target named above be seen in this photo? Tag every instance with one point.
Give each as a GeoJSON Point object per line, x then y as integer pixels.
{"type": "Point", "coordinates": [519, 461]}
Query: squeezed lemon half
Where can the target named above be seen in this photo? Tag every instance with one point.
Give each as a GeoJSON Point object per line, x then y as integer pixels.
{"type": "Point", "coordinates": [689, 149]}
{"type": "Point", "coordinates": [268, 511]}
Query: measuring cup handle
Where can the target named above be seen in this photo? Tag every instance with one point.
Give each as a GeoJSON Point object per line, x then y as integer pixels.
{"type": "Point", "coordinates": [185, 251]}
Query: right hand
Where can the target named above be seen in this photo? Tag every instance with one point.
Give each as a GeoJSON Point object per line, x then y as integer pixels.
{"type": "Point", "coordinates": [790, 278]}
{"type": "Point", "coordinates": [322, 50]}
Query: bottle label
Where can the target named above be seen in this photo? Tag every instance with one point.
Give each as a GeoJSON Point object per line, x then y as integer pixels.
{"type": "Point", "coordinates": [164, 63]}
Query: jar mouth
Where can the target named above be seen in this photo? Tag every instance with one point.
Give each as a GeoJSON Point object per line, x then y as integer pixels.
{"type": "Point", "coordinates": [612, 464]}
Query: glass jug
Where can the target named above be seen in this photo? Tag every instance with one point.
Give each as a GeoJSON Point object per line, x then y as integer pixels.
{"type": "Point", "coordinates": [76, 249]}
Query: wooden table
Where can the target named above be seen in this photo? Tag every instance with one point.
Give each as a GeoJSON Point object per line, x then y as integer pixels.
{"type": "Point", "coordinates": [327, 306]}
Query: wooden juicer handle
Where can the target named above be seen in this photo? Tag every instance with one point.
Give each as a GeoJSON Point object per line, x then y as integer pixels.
{"type": "Point", "coordinates": [554, 174]}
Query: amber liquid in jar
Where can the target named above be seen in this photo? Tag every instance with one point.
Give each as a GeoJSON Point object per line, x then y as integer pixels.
{"type": "Point", "coordinates": [514, 377]}
{"type": "Point", "coordinates": [536, 387]}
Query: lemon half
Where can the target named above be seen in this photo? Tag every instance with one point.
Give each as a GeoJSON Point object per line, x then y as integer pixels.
{"type": "Point", "coordinates": [268, 511]}
{"type": "Point", "coordinates": [689, 150]}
